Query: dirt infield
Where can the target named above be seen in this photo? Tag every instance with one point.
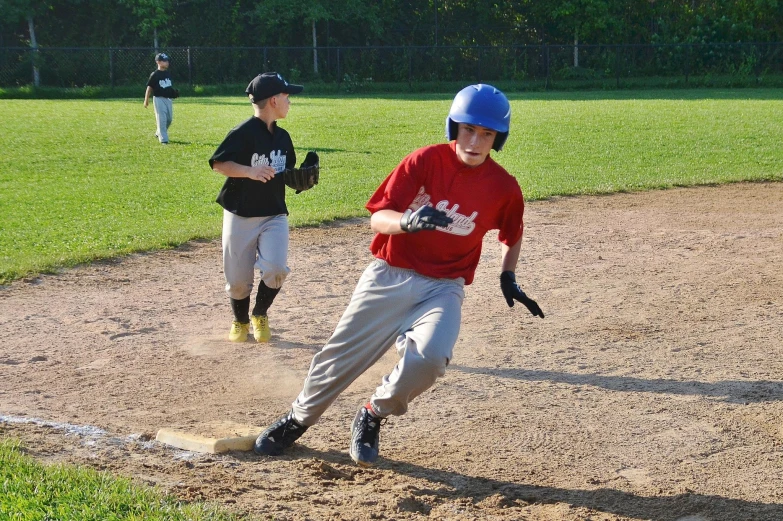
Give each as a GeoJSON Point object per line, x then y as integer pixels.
{"type": "Point", "coordinates": [652, 390]}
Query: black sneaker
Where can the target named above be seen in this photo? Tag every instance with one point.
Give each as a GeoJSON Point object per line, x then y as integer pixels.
{"type": "Point", "coordinates": [365, 433]}
{"type": "Point", "coordinates": [280, 435]}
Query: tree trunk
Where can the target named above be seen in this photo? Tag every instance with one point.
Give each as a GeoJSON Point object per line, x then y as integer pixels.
{"type": "Point", "coordinates": [576, 48]}
{"type": "Point", "coordinates": [315, 51]}
{"type": "Point", "coordinates": [436, 24]}
{"type": "Point", "coordinates": [34, 47]}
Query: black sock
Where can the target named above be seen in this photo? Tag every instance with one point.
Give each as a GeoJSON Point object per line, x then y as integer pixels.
{"type": "Point", "coordinates": [241, 309]}
{"type": "Point", "coordinates": [264, 299]}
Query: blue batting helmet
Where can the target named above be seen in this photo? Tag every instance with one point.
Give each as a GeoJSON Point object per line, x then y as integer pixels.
{"type": "Point", "coordinates": [481, 105]}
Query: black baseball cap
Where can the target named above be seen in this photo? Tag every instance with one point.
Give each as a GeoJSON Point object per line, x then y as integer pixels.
{"type": "Point", "coordinates": [270, 84]}
{"type": "Point", "coordinates": [162, 57]}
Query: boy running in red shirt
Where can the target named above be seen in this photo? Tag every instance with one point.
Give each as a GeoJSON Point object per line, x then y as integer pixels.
{"type": "Point", "coordinates": [430, 216]}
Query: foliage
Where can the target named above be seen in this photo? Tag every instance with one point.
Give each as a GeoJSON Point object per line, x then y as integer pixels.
{"type": "Point", "coordinates": [154, 16]}
{"type": "Point", "coordinates": [352, 83]}
{"type": "Point", "coordinates": [88, 193]}
{"type": "Point", "coordinates": [293, 18]}
{"type": "Point", "coordinates": [13, 11]}
{"type": "Point", "coordinates": [235, 23]}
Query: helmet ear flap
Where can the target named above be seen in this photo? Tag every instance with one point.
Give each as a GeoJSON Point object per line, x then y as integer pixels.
{"type": "Point", "coordinates": [452, 128]}
{"type": "Point", "coordinates": [500, 140]}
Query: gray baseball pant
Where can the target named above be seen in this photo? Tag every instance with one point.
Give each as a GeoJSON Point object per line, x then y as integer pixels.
{"type": "Point", "coordinates": [164, 114]}
{"type": "Point", "coordinates": [254, 242]}
{"type": "Point", "coordinates": [390, 306]}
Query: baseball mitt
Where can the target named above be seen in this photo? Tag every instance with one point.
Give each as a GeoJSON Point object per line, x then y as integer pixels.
{"type": "Point", "coordinates": [306, 176]}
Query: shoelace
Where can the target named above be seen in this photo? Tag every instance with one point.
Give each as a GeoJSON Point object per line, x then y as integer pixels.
{"type": "Point", "coordinates": [371, 426]}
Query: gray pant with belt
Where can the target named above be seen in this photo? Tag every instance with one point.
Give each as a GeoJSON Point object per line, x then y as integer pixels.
{"type": "Point", "coordinates": [164, 114]}
{"type": "Point", "coordinates": [251, 243]}
{"type": "Point", "coordinates": [390, 306]}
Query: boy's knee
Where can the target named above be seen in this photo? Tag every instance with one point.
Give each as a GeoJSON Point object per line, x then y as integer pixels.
{"type": "Point", "coordinates": [429, 367]}
{"type": "Point", "coordinates": [438, 365]}
{"type": "Point", "coordinates": [238, 291]}
{"type": "Point", "coordinates": [274, 276]}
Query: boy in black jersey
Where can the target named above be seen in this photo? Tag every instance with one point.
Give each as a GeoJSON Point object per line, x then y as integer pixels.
{"type": "Point", "coordinates": [159, 86]}
{"type": "Point", "coordinates": [253, 156]}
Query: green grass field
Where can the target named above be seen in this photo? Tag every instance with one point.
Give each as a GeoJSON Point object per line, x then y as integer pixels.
{"type": "Point", "coordinates": [86, 179]}
{"type": "Point", "coordinates": [31, 491]}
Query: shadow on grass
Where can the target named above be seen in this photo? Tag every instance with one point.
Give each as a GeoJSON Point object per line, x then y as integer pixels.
{"type": "Point", "coordinates": [216, 100]}
{"type": "Point", "coordinates": [198, 143]}
{"type": "Point", "coordinates": [521, 95]}
{"type": "Point", "coordinates": [303, 147]}
{"type": "Point", "coordinates": [662, 94]}
{"type": "Point", "coordinates": [731, 391]}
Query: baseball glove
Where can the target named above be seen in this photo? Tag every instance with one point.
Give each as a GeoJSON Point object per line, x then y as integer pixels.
{"type": "Point", "coordinates": [306, 176]}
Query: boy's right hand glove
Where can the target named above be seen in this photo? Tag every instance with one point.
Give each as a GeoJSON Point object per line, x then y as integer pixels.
{"type": "Point", "coordinates": [306, 176]}
{"type": "Point", "coordinates": [512, 292]}
{"type": "Point", "coordinates": [425, 218]}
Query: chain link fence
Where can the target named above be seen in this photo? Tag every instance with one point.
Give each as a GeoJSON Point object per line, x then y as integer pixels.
{"type": "Point", "coordinates": [529, 65]}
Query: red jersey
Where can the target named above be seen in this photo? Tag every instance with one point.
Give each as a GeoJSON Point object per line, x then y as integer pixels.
{"type": "Point", "coordinates": [478, 199]}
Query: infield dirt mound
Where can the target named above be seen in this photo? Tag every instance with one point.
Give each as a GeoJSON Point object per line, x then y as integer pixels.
{"type": "Point", "coordinates": [652, 390]}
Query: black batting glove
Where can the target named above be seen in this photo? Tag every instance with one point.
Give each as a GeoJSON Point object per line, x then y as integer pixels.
{"type": "Point", "coordinates": [512, 292]}
{"type": "Point", "coordinates": [425, 218]}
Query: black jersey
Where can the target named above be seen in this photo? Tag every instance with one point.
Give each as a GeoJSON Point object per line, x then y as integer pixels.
{"type": "Point", "coordinates": [251, 144]}
{"type": "Point", "coordinates": [160, 81]}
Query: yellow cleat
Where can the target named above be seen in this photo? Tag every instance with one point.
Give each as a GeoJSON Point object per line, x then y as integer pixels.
{"type": "Point", "coordinates": [238, 331]}
{"type": "Point", "coordinates": [261, 330]}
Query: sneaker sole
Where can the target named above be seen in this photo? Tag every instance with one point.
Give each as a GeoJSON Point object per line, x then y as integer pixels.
{"type": "Point", "coordinates": [262, 340]}
{"type": "Point", "coordinates": [361, 463]}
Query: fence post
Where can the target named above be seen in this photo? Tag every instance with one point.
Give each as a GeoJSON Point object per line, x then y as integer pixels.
{"type": "Point", "coordinates": [111, 67]}
{"type": "Point", "coordinates": [34, 62]}
{"type": "Point", "coordinates": [687, 63]}
{"type": "Point", "coordinates": [190, 69]}
{"type": "Point", "coordinates": [757, 66]}
{"type": "Point", "coordinates": [478, 64]}
{"type": "Point", "coordinates": [266, 64]}
{"type": "Point", "coordinates": [339, 73]}
{"type": "Point", "coordinates": [546, 50]}
{"type": "Point", "coordinates": [617, 66]}
{"type": "Point", "coordinates": [410, 67]}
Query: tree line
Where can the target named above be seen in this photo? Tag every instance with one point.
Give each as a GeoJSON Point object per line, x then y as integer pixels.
{"type": "Point", "coordinates": [321, 23]}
